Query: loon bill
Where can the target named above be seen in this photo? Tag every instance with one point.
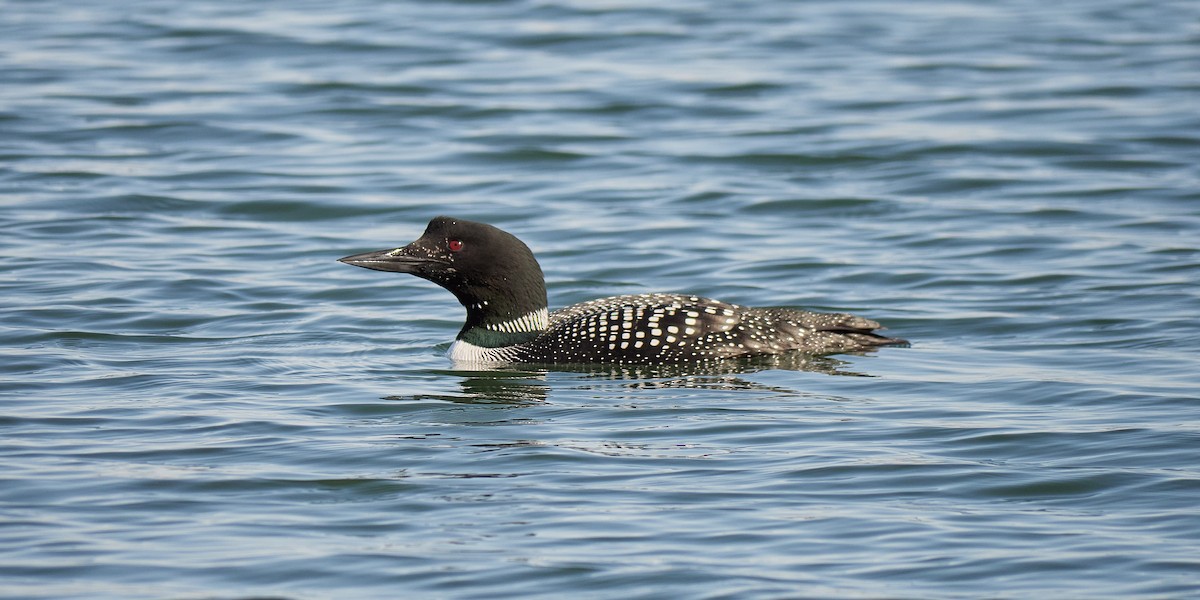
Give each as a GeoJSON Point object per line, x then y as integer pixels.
{"type": "Point", "coordinates": [496, 277]}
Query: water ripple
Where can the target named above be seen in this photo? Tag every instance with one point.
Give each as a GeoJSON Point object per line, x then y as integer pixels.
{"type": "Point", "coordinates": [197, 399]}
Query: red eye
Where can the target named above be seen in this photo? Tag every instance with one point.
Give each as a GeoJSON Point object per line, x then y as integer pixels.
{"type": "Point", "coordinates": [454, 245]}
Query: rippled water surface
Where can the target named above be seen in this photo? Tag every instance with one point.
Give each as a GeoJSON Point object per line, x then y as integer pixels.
{"type": "Point", "coordinates": [197, 401]}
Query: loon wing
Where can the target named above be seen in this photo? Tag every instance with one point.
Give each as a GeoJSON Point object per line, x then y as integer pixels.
{"type": "Point", "coordinates": [673, 327]}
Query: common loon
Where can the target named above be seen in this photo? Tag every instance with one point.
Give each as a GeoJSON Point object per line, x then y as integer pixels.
{"type": "Point", "coordinates": [496, 277]}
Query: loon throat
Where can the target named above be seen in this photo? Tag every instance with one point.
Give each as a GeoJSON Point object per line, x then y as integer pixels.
{"type": "Point", "coordinates": [496, 278]}
{"type": "Point", "coordinates": [507, 333]}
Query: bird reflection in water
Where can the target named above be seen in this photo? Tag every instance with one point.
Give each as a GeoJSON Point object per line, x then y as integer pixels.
{"type": "Point", "coordinates": [509, 385]}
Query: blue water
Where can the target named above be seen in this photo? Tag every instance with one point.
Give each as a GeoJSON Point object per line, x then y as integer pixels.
{"type": "Point", "coordinates": [198, 401]}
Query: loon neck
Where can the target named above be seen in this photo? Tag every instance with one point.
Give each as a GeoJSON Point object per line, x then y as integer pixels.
{"type": "Point", "coordinates": [490, 330]}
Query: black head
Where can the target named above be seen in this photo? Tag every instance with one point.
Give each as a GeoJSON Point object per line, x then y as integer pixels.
{"type": "Point", "coordinates": [491, 272]}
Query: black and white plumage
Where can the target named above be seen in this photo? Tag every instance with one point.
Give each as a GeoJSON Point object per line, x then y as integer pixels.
{"type": "Point", "coordinates": [496, 277]}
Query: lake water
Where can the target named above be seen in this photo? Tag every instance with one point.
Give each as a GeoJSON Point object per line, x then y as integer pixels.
{"type": "Point", "coordinates": [198, 401]}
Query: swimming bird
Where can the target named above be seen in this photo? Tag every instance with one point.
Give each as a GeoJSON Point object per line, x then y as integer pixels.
{"type": "Point", "coordinates": [496, 277]}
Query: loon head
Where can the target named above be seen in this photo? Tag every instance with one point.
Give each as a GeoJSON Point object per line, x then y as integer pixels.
{"type": "Point", "coordinates": [491, 272]}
